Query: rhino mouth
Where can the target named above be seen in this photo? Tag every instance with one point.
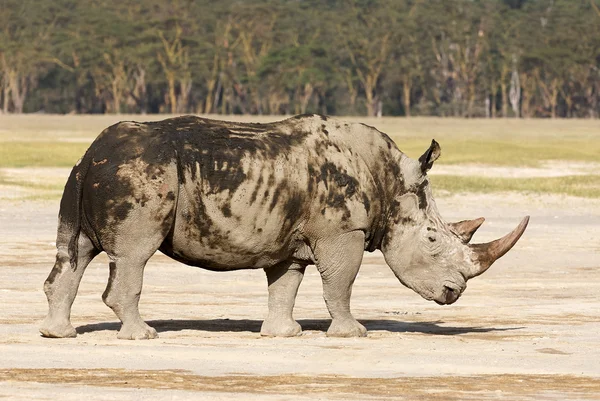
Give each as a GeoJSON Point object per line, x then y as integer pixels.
{"type": "Point", "coordinates": [449, 295]}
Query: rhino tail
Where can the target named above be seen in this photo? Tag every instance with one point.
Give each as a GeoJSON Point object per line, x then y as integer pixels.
{"type": "Point", "coordinates": [70, 212]}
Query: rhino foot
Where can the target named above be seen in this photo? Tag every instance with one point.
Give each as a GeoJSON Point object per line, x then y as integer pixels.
{"type": "Point", "coordinates": [53, 329]}
{"type": "Point", "coordinates": [346, 328]}
{"type": "Point", "coordinates": [137, 332]}
{"type": "Point", "coordinates": [280, 328]}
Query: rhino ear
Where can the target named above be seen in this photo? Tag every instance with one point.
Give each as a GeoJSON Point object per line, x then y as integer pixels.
{"type": "Point", "coordinates": [432, 154]}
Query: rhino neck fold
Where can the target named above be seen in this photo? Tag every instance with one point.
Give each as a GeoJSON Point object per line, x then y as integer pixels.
{"type": "Point", "coordinates": [375, 238]}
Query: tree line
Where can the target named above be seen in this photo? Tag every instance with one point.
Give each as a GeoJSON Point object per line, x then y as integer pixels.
{"type": "Point", "coordinates": [467, 58]}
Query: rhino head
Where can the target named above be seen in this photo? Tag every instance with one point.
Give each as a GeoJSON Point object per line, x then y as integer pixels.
{"type": "Point", "coordinates": [427, 254]}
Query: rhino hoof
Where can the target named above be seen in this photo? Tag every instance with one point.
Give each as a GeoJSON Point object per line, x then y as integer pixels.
{"type": "Point", "coordinates": [278, 328]}
{"type": "Point", "coordinates": [137, 332]}
{"type": "Point", "coordinates": [64, 330]}
{"type": "Point", "coordinates": [346, 328]}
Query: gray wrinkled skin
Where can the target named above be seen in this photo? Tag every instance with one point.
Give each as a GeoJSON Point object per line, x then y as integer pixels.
{"type": "Point", "coordinates": [279, 196]}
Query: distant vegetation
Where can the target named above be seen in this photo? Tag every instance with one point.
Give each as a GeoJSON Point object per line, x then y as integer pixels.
{"type": "Point", "coordinates": [496, 58]}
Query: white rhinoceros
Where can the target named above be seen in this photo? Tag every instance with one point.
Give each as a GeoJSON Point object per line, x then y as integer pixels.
{"type": "Point", "coordinates": [278, 196]}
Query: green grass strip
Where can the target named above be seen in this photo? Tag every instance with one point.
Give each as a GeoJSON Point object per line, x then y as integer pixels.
{"type": "Point", "coordinates": [40, 154]}
{"type": "Point", "coordinates": [529, 152]}
{"type": "Point", "coordinates": [586, 186]}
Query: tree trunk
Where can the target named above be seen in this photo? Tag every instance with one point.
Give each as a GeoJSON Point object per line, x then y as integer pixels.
{"type": "Point", "coordinates": [212, 82]}
{"type": "Point", "coordinates": [296, 101]}
{"type": "Point", "coordinates": [370, 104]}
{"type": "Point", "coordinates": [569, 104]}
{"type": "Point", "coordinates": [493, 91]}
{"type": "Point", "coordinates": [6, 95]}
{"type": "Point", "coordinates": [208, 102]}
{"type": "Point", "coordinates": [525, 96]}
{"type": "Point", "coordinates": [370, 84]}
{"type": "Point", "coordinates": [515, 93]}
{"type": "Point", "coordinates": [553, 97]}
{"type": "Point", "coordinates": [18, 91]}
{"type": "Point", "coordinates": [503, 88]}
{"type": "Point", "coordinates": [276, 100]}
{"type": "Point", "coordinates": [471, 100]}
{"type": "Point", "coordinates": [352, 91]}
{"type": "Point", "coordinates": [139, 90]}
{"type": "Point", "coordinates": [185, 88]}
{"type": "Point", "coordinates": [116, 92]}
{"type": "Point", "coordinates": [305, 97]}
{"type": "Point", "coordinates": [595, 93]}
{"type": "Point", "coordinates": [172, 95]}
{"type": "Point", "coordinates": [406, 90]}
{"type": "Point", "coordinates": [370, 99]}
{"type": "Point", "coordinates": [218, 92]}
{"type": "Point", "coordinates": [226, 102]}
{"type": "Point", "coordinates": [4, 81]}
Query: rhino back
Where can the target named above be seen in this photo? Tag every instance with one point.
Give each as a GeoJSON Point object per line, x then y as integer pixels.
{"type": "Point", "coordinates": [246, 195]}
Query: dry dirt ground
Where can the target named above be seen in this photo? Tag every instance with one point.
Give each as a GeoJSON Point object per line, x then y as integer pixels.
{"type": "Point", "coordinates": [528, 329]}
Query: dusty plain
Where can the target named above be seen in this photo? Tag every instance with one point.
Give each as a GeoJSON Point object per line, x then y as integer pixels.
{"type": "Point", "coordinates": [528, 329]}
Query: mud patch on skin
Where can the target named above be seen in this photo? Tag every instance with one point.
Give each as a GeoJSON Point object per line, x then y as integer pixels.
{"type": "Point", "coordinates": [435, 387]}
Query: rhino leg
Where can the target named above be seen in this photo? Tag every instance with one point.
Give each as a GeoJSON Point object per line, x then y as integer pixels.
{"type": "Point", "coordinates": [61, 288]}
{"type": "Point", "coordinates": [338, 261]}
{"type": "Point", "coordinates": [135, 241]}
{"type": "Point", "coordinates": [284, 280]}
{"type": "Point", "coordinates": [122, 295]}
{"type": "Point", "coordinates": [140, 217]}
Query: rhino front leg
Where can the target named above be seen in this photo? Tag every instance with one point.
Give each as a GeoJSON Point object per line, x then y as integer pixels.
{"type": "Point", "coordinates": [284, 280]}
{"type": "Point", "coordinates": [61, 288]}
{"type": "Point", "coordinates": [338, 261]}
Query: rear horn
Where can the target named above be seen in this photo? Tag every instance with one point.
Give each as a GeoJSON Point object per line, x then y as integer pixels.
{"type": "Point", "coordinates": [466, 228]}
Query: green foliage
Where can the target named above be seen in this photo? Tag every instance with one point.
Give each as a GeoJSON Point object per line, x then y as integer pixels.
{"type": "Point", "coordinates": [433, 57]}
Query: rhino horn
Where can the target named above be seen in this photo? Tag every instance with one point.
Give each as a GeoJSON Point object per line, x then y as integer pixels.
{"type": "Point", "coordinates": [466, 228]}
{"type": "Point", "coordinates": [488, 253]}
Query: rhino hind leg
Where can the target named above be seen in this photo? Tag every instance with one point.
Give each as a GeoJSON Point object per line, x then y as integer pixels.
{"type": "Point", "coordinates": [136, 241]}
{"type": "Point", "coordinates": [132, 243]}
{"type": "Point", "coordinates": [139, 221]}
{"type": "Point", "coordinates": [284, 280]}
{"type": "Point", "coordinates": [122, 295]}
{"type": "Point", "coordinates": [61, 288]}
{"type": "Point", "coordinates": [338, 261]}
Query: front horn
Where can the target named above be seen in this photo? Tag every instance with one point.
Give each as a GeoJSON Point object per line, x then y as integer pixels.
{"type": "Point", "coordinates": [466, 228]}
{"type": "Point", "coordinates": [488, 253]}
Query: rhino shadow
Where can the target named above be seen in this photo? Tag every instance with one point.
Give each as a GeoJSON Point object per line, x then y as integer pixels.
{"type": "Point", "coordinates": [251, 325]}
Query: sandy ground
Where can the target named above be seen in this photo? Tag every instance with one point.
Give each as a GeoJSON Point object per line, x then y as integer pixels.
{"type": "Point", "coordinates": [529, 329]}
{"type": "Point", "coordinates": [556, 168]}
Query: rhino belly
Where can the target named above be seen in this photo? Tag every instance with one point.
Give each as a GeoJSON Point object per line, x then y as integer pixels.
{"type": "Point", "coordinates": [206, 253]}
{"type": "Point", "coordinates": [209, 234]}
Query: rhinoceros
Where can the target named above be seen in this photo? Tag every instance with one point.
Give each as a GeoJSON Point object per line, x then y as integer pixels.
{"type": "Point", "coordinates": [308, 190]}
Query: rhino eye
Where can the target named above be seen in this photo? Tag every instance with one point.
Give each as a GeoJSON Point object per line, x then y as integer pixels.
{"type": "Point", "coordinates": [431, 239]}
